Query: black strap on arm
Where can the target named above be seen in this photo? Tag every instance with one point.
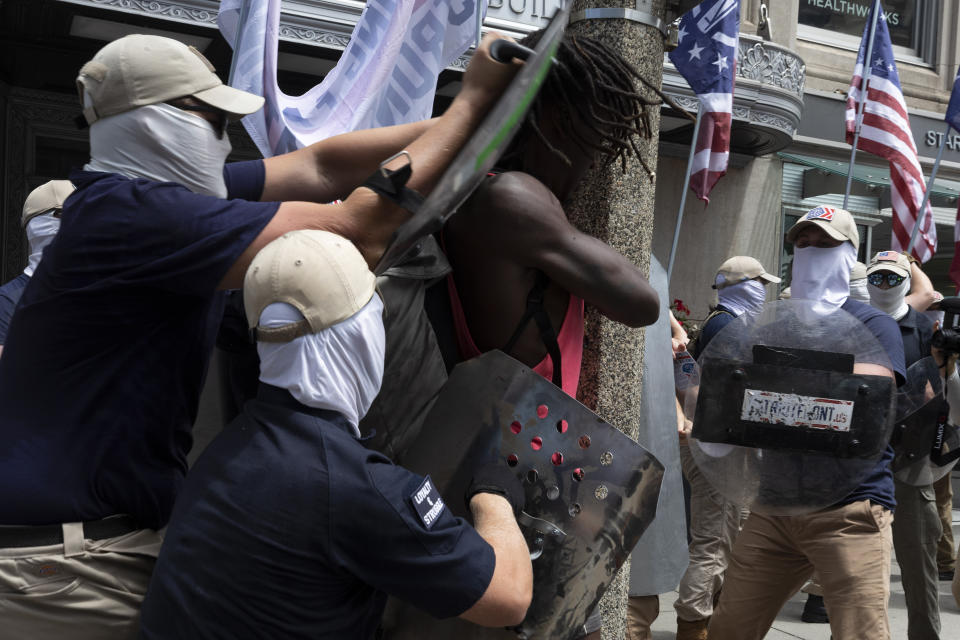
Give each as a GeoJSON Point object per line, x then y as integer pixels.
{"type": "Point", "coordinates": [538, 313]}
{"type": "Point", "coordinates": [391, 184]}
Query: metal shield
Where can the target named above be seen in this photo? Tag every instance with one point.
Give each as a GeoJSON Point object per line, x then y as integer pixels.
{"type": "Point", "coordinates": [590, 490]}
{"type": "Point", "coordinates": [483, 148]}
{"type": "Point", "coordinates": [781, 423]}
{"type": "Point", "coordinates": [925, 444]}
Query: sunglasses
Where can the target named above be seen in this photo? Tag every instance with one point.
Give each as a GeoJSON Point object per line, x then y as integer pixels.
{"type": "Point", "coordinates": [220, 126]}
{"type": "Point", "coordinates": [876, 279]}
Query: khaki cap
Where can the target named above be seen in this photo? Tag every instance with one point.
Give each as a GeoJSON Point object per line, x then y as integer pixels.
{"type": "Point", "coordinates": [892, 261]}
{"type": "Point", "coordinates": [140, 70]}
{"type": "Point", "coordinates": [46, 197]}
{"type": "Point", "coordinates": [319, 273]}
{"type": "Point", "coordinates": [838, 223]}
{"type": "Point", "coordinates": [740, 268]}
{"type": "Point", "coordinates": [858, 271]}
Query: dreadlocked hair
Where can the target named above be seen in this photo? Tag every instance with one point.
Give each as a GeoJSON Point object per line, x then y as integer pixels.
{"type": "Point", "coordinates": [591, 84]}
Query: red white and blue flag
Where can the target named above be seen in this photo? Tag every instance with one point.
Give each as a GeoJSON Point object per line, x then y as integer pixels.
{"type": "Point", "coordinates": [885, 132]}
{"type": "Point", "coordinates": [707, 58]}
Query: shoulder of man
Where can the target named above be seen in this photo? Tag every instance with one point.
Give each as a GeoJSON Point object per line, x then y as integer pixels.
{"type": "Point", "coordinates": [885, 329]}
{"type": "Point", "coordinates": [519, 197]}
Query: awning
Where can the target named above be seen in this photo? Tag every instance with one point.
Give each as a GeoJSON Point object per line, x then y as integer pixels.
{"type": "Point", "coordinates": [867, 179]}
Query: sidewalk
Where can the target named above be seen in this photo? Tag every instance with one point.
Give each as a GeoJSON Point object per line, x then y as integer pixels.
{"type": "Point", "coordinates": [789, 627]}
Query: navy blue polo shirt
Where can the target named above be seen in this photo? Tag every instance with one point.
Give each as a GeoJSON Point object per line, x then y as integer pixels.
{"type": "Point", "coordinates": [288, 527]}
{"type": "Point", "coordinates": [9, 297]}
{"type": "Point", "coordinates": [877, 487]}
{"type": "Point", "coordinates": [108, 350]}
{"type": "Point", "coordinates": [713, 327]}
{"type": "Point", "coordinates": [916, 330]}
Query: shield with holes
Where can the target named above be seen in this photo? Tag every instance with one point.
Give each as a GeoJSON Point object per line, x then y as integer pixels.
{"type": "Point", "coordinates": [590, 490]}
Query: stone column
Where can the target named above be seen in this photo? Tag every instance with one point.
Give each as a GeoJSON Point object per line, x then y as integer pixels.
{"type": "Point", "coordinates": [618, 208]}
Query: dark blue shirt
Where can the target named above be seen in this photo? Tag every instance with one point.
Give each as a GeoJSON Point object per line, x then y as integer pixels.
{"type": "Point", "coordinates": [916, 330]}
{"type": "Point", "coordinates": [877, 487]}
{"type": "Point", "coordinates": [9, 297]}
{"type": "Point", "coordinates": [713, 327]}
{"type": "Point", "coordinates": [107, 352]}
{"type": "Point", "coordinates": [288, 527]}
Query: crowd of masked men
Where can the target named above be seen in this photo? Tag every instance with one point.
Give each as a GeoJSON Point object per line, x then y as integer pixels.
{"type": "Point", "coordinates": [299, 519]}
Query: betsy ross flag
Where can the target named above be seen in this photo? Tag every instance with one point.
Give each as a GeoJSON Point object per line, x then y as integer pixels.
{"type": "Point", "coordinates": [885, 132]}
{"type": "Point", "coordinates": [953, 119]}
{"type": "Point", "coordinates": [706, 57]}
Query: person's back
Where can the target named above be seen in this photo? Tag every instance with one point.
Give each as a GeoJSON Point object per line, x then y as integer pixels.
{"type": "Point", "coordinates": [512, 243]}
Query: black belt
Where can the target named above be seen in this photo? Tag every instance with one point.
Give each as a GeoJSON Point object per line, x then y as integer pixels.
{"type": "Point", "coordinates": [47, 534]}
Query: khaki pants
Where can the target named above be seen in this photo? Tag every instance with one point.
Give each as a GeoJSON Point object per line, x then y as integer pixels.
{"type": "Point", "coordinates": [641, 612]}
{"type": "Point", "coordinates": [946, 560]}
{"type": "Point", "coordinates": [714, 524]}
{"type": "Point", "coordinates": [849, 547]}
{"type": "Point", "coordinates": [81, 589]}
{"type": "Point", "coordinates": [916, 531]}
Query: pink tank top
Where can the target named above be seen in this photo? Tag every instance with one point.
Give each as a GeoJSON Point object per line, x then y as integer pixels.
{"type": "Point", "coordinates": [569, 339]}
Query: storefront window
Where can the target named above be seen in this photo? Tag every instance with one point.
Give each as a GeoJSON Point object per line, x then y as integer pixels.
{"type": "Point", "coordinates": [912, 24]}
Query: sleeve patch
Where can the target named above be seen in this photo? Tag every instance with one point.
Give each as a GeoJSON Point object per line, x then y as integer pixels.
{"type": "Point", "coordinates": [427, 503]}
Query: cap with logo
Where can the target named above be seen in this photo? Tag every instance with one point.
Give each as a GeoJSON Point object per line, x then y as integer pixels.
{"type": "Point", "coordinates": [837, 223]}
{"type": "Point", "coordinates": [48, 196]}
{"type": "Point", "coordinates": [319, 273]}
{"type": "Point", "coordinates": [740, 268]}
{"type": "Point", "coordinates": [140, 70]}
{"type": "Point", "coordinates": [892, 261]}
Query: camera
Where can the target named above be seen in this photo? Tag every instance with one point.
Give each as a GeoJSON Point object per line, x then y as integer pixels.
{"type": "Point", "coordinates": [947, 337]}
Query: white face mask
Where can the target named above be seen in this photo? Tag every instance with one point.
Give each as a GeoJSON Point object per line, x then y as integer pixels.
{"type": "Point", "coordinates": [340, 368]}
{"type": "Point", "coordinates": [858, 290]}
{"type": "Point", "coordinates": [891, 301]}
{"type": "Point", "coordinates": [161, 142]}
{"type": "Point", "coordinates": [744, 297]}
{"type": "Point", "coordinates": [40, 232]}
{"type": "Point", "coordinates": [822, 274]}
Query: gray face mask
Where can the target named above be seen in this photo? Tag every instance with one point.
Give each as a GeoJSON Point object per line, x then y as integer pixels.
{"type": "Point", "coordinates": [161, 142]}
{"type": "Point", "coordinates": [891, 301]}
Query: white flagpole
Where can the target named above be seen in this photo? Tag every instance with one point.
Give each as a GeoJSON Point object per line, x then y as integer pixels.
{"type": "Point", "coordinates": [867, 65]}
{"type": "Point", "coordinates": [683, 194]}
{"type": "Point", "coordinates": [921, 212]}
{"type": "Point", "coordinates": [479, 21]}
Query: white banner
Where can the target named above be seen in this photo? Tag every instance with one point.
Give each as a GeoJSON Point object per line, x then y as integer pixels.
{"type": "Point", "coordinates": [387, 74]}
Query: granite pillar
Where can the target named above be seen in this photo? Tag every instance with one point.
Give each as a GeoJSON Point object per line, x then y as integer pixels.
{"type": "Point", "coordinates": [618, 208]}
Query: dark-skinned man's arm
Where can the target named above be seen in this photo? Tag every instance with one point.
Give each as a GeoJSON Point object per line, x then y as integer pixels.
{"type": "Point", "coordinates": [531, 227]}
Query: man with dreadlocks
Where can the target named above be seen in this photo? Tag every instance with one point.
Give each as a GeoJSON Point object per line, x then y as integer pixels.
{"type": "Point", "coordinates": [515, 255]}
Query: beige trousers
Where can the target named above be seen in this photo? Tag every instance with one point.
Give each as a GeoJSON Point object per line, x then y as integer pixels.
{"type": "Point", "coordinates": [946, 560]}
{"type": "Point", "coordinates": [849, 547]}
{"type": "Point", "coordinates": [641, 612]}
{"type": "Point", "coordinates": [714, 524]}
{"type": "Point", "coordinates": [81, 589]}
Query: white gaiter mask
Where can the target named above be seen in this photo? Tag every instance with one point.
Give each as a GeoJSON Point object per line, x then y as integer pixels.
{"type": "Point", "coordinates": [340, 368]}
{"type": "Point", "coordinates": [859, 290]}
{"type": "Point", "coordinates": [40, 232]}
{"type": "Point", "coordinates": [163, 143]}
{"type": "Point", "coordinates": [891, 301]}
{"type": "Point", "coordinates": [822, 274]}
{"type": "Point", "coordinates": [744, 297]}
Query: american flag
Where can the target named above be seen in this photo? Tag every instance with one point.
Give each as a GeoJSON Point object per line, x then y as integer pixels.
{"type": "Point", "coordinates": [953, 118]}
{"type": "Point", "coordinates": [886, 132]}
{"type": "Point", "coordinates": [706, 57]}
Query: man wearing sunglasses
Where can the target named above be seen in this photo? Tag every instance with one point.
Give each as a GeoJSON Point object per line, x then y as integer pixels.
{"type": "Point", "coordinates": [109, 347]}
{"type": "Point", "coordinates": [917, 528]}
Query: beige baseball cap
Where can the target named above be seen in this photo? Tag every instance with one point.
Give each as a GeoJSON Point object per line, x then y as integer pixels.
{"type": "Point", "coordinates": [140, 70]}
{"type": "Point", "coordinates": [46, 197]}
{"type": "Point", "coordinates": [838, 223]}
{"type": "Point", "coordinates": [740, 268]}
{"type": "Point", "coordinates": [858, 271]}
{"type": "Point", "coordinates": [892, 261]}
{"type": "Point", "coordinates": [320, 273]}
